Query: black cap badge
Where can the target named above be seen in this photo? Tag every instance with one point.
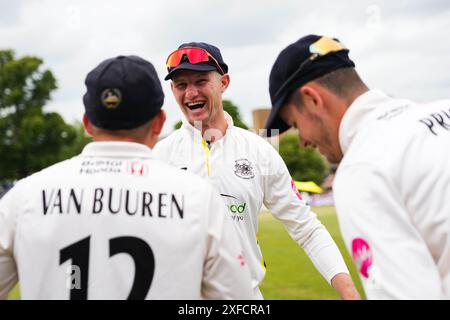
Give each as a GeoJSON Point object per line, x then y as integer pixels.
{"type": "Point", "coordinates": [111, 98]}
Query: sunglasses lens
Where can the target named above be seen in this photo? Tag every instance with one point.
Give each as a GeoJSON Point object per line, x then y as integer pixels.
{"type": "Point", "coordinates": [194, 55]}
{"type": "Point", "coordinates": [325, 45]}
{"type": "Point", "coordinates": [174, 59]}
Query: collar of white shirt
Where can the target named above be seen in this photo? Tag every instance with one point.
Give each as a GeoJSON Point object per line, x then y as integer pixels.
{"type": "Point", "coordinates": [357, 113]}
{"type": "Point", "coordinates": [116, 149]}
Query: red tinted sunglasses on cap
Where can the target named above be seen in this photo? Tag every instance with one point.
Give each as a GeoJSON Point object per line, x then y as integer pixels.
{"type": "Point", "coordinates": [194, 55]}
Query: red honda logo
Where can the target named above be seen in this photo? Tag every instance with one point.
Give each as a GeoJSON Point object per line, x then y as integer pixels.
{"type": "Point", "coordinates": [136, 168]}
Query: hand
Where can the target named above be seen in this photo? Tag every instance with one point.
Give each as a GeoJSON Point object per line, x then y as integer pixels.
{"type": "Point", "coordinates": [345, 287]}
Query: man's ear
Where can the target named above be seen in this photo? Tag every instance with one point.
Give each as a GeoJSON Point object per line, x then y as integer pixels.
{"type": "Point", "coordinates": [225, 82]}
{"type": "Point", "coordinates": [87, 125]}
{"type": "Point", "coordinates": [311, 97]}
{"type": "Point", "coordinates": [158, 122]}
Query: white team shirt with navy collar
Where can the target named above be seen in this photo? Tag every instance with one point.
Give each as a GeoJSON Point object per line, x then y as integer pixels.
{"type": "Point", "coordinates": [392, 193]}
{"type": "Point", "coordinates": [248, 172]}
{"type": "Point", "coordinates": [124, 226]}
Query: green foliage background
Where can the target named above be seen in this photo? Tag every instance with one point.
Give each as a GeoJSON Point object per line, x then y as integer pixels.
{"type": "Point", "coordinates": [304, 164]}
{"type": "Point", "coordinates": [30, 138]}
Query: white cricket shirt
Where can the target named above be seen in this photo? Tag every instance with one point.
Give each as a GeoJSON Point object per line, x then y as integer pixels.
{"type": "Point", "coordinates": [247, 171]}
{"type": "Point", "coordinates": [392, 193]}
{"type": "Point", "coordinates": [113, 223]}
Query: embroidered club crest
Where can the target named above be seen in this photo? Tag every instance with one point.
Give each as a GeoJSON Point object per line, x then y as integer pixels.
{"type": "Point", "coordinates": [111, 98]}
{"type": "Point", "coordinates": [244, 169]}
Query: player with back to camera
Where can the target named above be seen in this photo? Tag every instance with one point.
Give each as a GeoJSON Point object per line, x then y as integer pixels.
{"type": "Point", "coordinates": [112, 222]}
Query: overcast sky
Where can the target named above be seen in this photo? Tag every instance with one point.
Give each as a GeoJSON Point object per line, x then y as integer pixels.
{"type": "Point", "coordinates": [401, 47]}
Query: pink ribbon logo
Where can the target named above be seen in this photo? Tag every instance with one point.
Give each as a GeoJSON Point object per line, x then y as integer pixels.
{"type": "Point", "coordinates": [362, 255]}
{"type": "Point", "coordinates": [294, 188]}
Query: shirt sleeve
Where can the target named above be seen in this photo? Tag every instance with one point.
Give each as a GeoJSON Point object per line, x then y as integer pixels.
{"type": "Point", "coordinates": [391, 256]}
{"type": "Point", "coordinates": [8, 271]}
{"type": "Point", "coordinates": [226, 273]}
{"type": "Point", "coordinates": [284, 202]}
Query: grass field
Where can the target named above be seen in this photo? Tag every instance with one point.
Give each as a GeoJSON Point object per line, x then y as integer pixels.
{"type": "Point", "coordinates": [14, 294]}
{"type": "Point", "coordinates": [290, 273]}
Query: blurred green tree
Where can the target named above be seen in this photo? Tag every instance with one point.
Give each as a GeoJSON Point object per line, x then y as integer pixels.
{"type": "Point", "coordinates": [77, 145]}
{"type": "Point", "coordinates": [304, 164]}
{"type": "Point", "coordinates": [177, 125]}
{"type": "Point", "coordinates": [233, 111]}
{"type": "Point", "coordinates": [30, 139]}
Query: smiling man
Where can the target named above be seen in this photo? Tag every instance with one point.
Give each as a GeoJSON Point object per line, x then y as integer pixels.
{"type": "Point", "coordinates": [243, 167]}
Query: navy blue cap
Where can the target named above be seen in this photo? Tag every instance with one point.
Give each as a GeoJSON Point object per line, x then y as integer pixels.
{"type": "Point", "coordinates": [202, 66]}
{"type": "Point", "coordinates": [287, 63]}
{"type": "Point", "coordinates": [122, 93]}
